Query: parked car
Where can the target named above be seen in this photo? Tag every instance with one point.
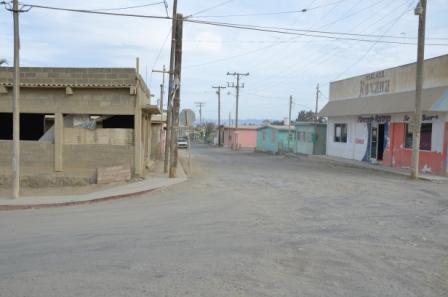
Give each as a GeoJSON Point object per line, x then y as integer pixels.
{"type": "Point", "coordinates": [182, 142]}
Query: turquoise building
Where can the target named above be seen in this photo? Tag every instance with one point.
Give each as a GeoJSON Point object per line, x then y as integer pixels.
{"type": "Point", "coordinates": [310, 138]}
{"type": "Point", "coordinates": [274, 139]}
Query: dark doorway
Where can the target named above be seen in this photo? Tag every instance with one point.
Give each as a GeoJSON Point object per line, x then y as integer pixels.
{"type": "Point", "coordinates": [381, 129]}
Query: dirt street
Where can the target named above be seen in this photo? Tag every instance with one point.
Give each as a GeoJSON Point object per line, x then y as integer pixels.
{"type": "Point", "coordinates": [246, 224]}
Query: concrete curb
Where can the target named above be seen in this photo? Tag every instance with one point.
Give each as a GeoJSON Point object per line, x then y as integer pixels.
{"type": "Point", "coordinates": [73, 203]}
{"type": "Point", "coordinates": [129, 194]}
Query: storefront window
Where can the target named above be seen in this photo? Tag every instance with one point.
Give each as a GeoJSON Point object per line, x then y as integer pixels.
{"type": "Point", "coordinates": [425, 136]}
{"type": "Point", "coordinates": [340, 133]}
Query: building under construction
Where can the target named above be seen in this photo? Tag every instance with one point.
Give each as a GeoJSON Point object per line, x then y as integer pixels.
{"type": "Point", "coordinates": [74, 122]}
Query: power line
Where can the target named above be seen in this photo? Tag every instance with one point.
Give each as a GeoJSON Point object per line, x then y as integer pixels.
{"type": "Point", "coordinates": [372, 46]}
{"type": "Point", "coordinates": [286, 31]}
{"type": "Point", "coordinates": [303, 10]}
{"type": "Point", "coordinates": [94, 12]}
{"type": "Point", "coordinates": [160, 53]}
{"type": "Point", "coordinates": [210, 8]}
{"type": "Point", "coordinates": [289, 32]}
{"type": "Point", "coordinates": [129, 7]}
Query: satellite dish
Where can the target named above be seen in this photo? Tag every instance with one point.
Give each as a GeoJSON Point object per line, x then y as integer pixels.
{"type": "Point", "coordinates": [187, 118]}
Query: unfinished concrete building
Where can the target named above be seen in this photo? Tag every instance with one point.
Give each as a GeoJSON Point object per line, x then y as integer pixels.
{"type": "Point", "coordinates": [76, 121]}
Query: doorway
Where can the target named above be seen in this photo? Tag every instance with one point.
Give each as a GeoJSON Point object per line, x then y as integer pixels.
{"type": "Point", "coordinates": [381, 128]}
{"type": "Point", "coordinates": [377, 142]}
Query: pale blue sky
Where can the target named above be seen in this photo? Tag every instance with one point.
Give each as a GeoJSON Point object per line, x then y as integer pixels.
{"type": "Point", "coordinates": [279, 65]}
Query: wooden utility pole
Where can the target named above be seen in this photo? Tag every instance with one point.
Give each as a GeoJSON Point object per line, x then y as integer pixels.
{"type": "Point", "coordinates": [218, 92]}
{"type": "Point", "coordinates": [170, 88]}
{"type": "Point", "coordinates": [316, 117]}
{"type": "Point", "coordinates": [289, 122]}
{"type": "Point", "coordinates": [420, 10]}
{"type": "Point", "coordinates": [200, 105]}
{"type": "Point", "coordinates": [238, 86]}
{"type": "Point", "coordinates": [15, 104]}
{"type": "Point", "coordinates": [176, 99]}
{"type": "Point", "coordinates": [162, 86]}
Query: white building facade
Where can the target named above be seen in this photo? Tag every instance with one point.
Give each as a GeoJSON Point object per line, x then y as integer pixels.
{"type": "Point", "coordinates": [369, 117]}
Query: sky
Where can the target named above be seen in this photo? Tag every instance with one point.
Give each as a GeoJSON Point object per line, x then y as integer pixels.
{"type": "Point", "coordinates": [279, 65]}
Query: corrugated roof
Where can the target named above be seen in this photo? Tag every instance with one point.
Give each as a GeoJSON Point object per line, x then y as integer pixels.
{"type": "Point", "coordinates": [432, 100]}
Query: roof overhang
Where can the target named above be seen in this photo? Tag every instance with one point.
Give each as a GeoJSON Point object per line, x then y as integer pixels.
{"type": "Point", "coordinates": [150, 109]}
{"type": "Point", "coordinates": [433, 99]}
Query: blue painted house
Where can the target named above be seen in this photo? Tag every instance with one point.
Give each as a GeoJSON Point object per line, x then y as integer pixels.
{"type": "Point", "coordinates": [274, 139]}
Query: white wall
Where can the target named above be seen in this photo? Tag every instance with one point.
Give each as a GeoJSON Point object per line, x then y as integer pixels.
{"type": "Point", "coordinates": [357, 139]}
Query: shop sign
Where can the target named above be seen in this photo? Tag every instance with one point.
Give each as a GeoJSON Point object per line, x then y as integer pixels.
{"type": "Point", "coordinates": [375, 118]}
{"type": "Point", "coordinates": [425, 117]}
{"type": "Point", "coordinates": [374, 84]}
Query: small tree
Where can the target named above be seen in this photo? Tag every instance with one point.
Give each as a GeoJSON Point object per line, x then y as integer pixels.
{"type": "Point", "coordinates": [210, 131]}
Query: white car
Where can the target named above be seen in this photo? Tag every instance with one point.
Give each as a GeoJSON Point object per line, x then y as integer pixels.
{"type": "Point", "coordinates": [182, 142]}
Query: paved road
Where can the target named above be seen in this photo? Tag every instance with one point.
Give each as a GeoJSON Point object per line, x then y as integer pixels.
{"type": "Point", "coordinates": [245, 225]}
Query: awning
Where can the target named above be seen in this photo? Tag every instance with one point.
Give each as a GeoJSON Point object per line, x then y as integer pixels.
{"type": "Point", "coordinates": [433, 99]}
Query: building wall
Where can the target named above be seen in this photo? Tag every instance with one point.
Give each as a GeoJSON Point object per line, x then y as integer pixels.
{"type": "Point", "coordinates": [357, 139]}
{"type": "Point", "coordinates": [303, 140]}
{"type": "Point", "coordinates": [320, 146]}
{"type": "Point", "coordinates": [244, 138]}
{"type": "Point", "coordinates": [434, 161]}
{"type": "Point", "coordinates": [39, 157]}
{"type": "Point", "coordinates": [314, 141]}
{"type": "Point", "coordinates": [83, 101]}
{"type": "Point", "coordinates": [91, 157]}
{"type": "Point", "coordinates": [32, 154]}
{"type": "Point", "coordinates": [392, 80]}
{"type": "Point", "coordinates": [157, 141]}
{"type": "Point", "coordinates": [112, 136]}
{"type": "Point", "coordinates": [272, 140]}
{"type": "Point", "coordinates": [396, 155]}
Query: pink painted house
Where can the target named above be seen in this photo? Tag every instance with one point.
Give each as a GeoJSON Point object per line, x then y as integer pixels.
{"type": "Point", "coordinates": [245, 137]}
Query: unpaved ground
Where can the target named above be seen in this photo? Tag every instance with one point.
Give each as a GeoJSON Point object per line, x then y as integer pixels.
{"type": "Point", "coordinates": [244, 225]}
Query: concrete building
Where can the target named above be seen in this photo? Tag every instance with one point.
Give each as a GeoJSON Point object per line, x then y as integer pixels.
{"type": "Point", "coordinates": [75, 121]}
{"type": "Point", "coordinates": [274, 139]}
{"type": "Point", "coordinates": [245, 137]}
{"type": "Point", "coordinates": [310, 138]}
{"type": "Point", "coordinates": [158, 136]}
{"type": "Point", "coordinates": [369, 117]}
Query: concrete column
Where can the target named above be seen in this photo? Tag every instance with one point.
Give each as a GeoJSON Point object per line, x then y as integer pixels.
{"type": "Point", "coordinates": [149, 136]}
{"type": "Point", "coordinates": [138, 168]}
{"type": "Point", "coordinates": [138, 143]}
{"type": "Point", "coordinates": [58, 142]}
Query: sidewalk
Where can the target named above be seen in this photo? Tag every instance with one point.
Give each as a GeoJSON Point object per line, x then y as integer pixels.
{"type": "Point", "coordinates": [365, 165]}
{"type": "Point", "coordinates": [111, 193]}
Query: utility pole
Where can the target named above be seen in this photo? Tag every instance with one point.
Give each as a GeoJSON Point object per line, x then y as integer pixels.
{"type": "Point", "coordinates": [176, 99]}
{"type": "Point", "coordinates": [162, 86]}
{"type": "Point", "coordinates": [170, 88]}
{"type": "Point", "coordinates": [228, 130]}
{"type": "Point", "coordinates": [218, 92]}
{"type": "Point", "coordinates": [200, 104]}
{"type": "Point", "coordinates": [316, 117]}
{"type": "Point", "coordinates": [420, 10]}
{"type": "Point", "coordinates": [238, 86]}
{"type": "Point", "coordinates": [15, 103]}
{"type": "Point", "coordinates": [289, 122]}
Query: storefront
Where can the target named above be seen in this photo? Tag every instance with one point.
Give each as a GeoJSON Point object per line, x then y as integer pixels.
{"type": "Point", "coordinates": [369, 117]}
